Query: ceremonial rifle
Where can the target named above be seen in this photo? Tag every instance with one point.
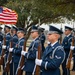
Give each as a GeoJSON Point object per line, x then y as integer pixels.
{"type": "Point", "coordinates": [36, 70]}
{"type": "Point", "coordinates": [68, 64]}
{"type": "Point", "coordinates": [21, 62]}
{"type": "Point", "coordinates": [3, 52]}
{"type": "Point", "coordinates": [9, 59]}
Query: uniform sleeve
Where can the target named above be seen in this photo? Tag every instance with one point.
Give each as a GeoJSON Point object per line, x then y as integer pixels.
{"type": "Point", "coordinates": [1, 37]}
{"type": "Point", "coordinates": [0, 47]}
{"type": "Point", "coordinates": [32, 53]}
{"type": "Point", "coordinates": [15, 40]}
{"type": "Point", "coordinates": [8, 39]}
{"type": "Point", "coordinates": [67, 43]}
{"type": "Point", "coordinates": [19, 49]}
{"type": "Point", "coordinates": [55, 62]}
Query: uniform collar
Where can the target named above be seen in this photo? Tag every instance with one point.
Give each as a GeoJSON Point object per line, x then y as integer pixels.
{"type": "Point", "coordinates": [21, 38]}
{"type": "Point", "coordinates": [68, 35]}
{"type": "Point", "coordinates": [35, 38]}
{"type": "Point", "coordinates": [7, 33]}
{"type": "Point", "coordinates": [54, 43]}
{"type": "Point", "coordinates": [14, 34]}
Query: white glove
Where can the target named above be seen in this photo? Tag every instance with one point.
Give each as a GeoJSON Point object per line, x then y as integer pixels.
{"type": "Point", "coordinates": [72, 47]}
{"type": "Point", "coordinates": [10, 49]}
{"type": "Point", "coordinates": [48, 42]}
{"type": "Point", "coordinates": [38, 62]}
{"type": "Point", "coordinates": [0, 41]}
{"type": "Point", "coordinates": [4, 47]}
{"type": "Point", "coordinates": [23, 53]}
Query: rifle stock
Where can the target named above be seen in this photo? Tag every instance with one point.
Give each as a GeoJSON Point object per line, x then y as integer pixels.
{"type": "Point", "coordinates": [61, 39]}
{"type": "Point", "coordinates": [37, 71]}
{"type": "Point", "coordinates": [21, 62]}
{"type": "Point", "coordinates": [61, 35]}
{"type": "Point", "coordinates": [9, 59]}
{"type": "Point", "coordinates": [3, 52]}
{"type": "Point", "coordinates": [68, 64]}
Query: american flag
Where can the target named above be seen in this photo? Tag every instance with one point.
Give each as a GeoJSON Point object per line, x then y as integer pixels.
{"type": "Point", "coordinates": [8, 16]}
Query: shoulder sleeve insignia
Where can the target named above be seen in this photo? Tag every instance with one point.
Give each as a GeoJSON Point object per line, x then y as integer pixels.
{"type": "Point", "coordinates": [57, 57]}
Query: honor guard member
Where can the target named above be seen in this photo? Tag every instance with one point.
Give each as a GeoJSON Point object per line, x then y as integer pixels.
{"type": "Point", "coordinates": [53, 55]}
{"type": "Point", "coordinates": [42, 38]}
{"type": "Point", "coordinates": [73, 48]}
{"type": "Point", "coordinates": [74, 55]}
{"type": "Point", "coordinates": [66, 44]}
{"type": "Point", "coordinates": [30, 56]}
{"type": "Point", "coordinates": [7, 35]}
{"type": "Point", "coordinates": [18, 48]}
{"type": "Point", "coordinates": [14, 41]}
{"type": "Point", "coordinates": [8, 38]}
{"type": "Point", "coordinates": [14, 35]}
{"type": "Point", "coordinates": [1, 39]}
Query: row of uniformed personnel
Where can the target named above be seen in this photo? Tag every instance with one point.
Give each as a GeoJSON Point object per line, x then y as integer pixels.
{"type": "Point", "coordinates": [53, 56]}
{"type": "Point", "coordinates": [17, 37]}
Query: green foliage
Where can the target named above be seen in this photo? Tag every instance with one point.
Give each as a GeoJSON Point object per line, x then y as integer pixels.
{"type": "Point", "coordinates": [2, 2]}
{"type": "Point", "coordinates": [45, 10]}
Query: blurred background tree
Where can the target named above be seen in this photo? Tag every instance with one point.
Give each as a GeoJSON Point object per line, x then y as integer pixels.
{"type": "Point", "coordinates": [2, 2]}
{"type": "Point", "coordinates": [45, 10]}
{"type": "Point", "coordinates": [32, 12]}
